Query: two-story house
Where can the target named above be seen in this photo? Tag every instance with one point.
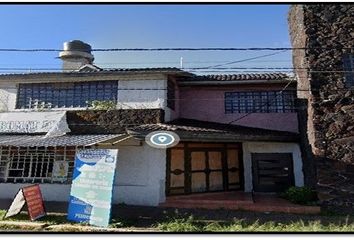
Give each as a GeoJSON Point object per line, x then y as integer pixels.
{"type": "Point", "coordinates": [237, 132]}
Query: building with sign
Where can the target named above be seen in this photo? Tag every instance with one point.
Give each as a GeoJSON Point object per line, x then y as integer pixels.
{"type": "Point", "coordinates": [237, 132]}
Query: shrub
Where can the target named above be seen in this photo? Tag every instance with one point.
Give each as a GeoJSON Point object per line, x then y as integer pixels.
{"type": "Point", "coordinates": [102, 105]}
{"type": "Point", "coordinates": [300, 195]}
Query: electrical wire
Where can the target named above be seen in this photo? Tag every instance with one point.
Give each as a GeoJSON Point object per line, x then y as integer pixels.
{"type": "Point", "coordinates": [175, 49]}
{"type": "Point", "coordinates": [244, 60]}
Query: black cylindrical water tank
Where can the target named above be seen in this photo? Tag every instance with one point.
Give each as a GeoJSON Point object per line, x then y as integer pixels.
{"type": "Point", "coordinates": [77, 45]}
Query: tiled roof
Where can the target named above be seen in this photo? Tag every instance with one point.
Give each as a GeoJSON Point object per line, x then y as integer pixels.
{"type": "Point", "coordinates": [239, 77]}
{"type": "Point", "coordinates": [99, 71]}
{"type": "Point", "coordinates": [66, 140]}
{"type": "Point", "coordinates": [195, 129]}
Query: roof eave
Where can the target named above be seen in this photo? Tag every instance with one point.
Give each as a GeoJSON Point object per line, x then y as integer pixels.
{"type": "Point", "coordinates": [35, 75]}
{"type": "Point", "coordinates": [237, 82]}
{"type": "Point", "coordinates": [225, 137]}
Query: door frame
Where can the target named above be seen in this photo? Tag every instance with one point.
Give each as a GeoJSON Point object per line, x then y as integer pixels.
{"type": "Point", "coordinates": [187, 165]}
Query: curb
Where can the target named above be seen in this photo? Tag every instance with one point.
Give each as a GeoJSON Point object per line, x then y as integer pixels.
{"type": "Point", "coordinates": [44, 227]}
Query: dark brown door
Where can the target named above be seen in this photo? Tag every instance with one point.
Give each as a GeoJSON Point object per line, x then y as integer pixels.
{"type": "Point", "coordinates": [197, 168]}
{"type": "Point", "coordinates": [272, 172]}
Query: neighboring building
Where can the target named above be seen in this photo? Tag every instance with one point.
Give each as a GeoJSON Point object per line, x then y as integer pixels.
{"type": "Point", "coordinates": [325, 76]}
{"type": "Point", "coordinates": [238, 132]}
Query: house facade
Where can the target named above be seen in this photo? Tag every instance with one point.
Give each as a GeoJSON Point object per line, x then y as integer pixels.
{"type": "Point", "coordinates": [237, 132]}
{"type": "Point", "coordinates": [324, 72]}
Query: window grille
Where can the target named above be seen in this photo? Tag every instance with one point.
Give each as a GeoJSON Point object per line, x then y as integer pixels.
{"type": "Point", "coordinates": [65, 95]}
{"type": "Point", "coordinates": [35, 165]}
{"type": "Point", "coordinates": [260, 102]}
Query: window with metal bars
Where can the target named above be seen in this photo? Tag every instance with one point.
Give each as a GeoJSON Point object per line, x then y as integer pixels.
{"type": "Point", "coordinates": [65, 95]}
{"type": "Point", "coordinates": [348, 62]}
{"type": "Point", "coordinates": [260, 102]}
{"type": "Point", "coordinates": [36, 165]}
{"type": "Point", "coordinates": [30, 167]}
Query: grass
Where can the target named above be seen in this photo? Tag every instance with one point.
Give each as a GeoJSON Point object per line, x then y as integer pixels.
{"type": "Point", "coordinates": [47, 222]}
{"type": "Point", "coordinates": [189, 224]}
{"type": "Point", "coordinates": [49, 219]}
{"type": "Point", "coordinates": [177, 222]}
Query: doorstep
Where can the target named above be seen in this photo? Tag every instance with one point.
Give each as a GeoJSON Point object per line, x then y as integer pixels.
{"type": "Point", "coordinates": [238, 201]}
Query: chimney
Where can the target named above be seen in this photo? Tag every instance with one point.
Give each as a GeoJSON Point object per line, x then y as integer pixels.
{"type": "Point", "coordinates": [75, 54]}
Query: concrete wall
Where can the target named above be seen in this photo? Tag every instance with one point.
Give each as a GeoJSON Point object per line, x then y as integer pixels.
{"type": "Point", "coordinates": [208, 104]}
{"type": "Point", "coordinates": [149, 94]}
{"type": "Point", "coordinates": [8, 93]}
{"type": "Point", "coordinates": [271, 147]}
{"type": "Point", "coordinates": [139, 180]}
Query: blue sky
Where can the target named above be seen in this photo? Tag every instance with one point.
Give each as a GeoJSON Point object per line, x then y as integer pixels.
{"type": "Point", "coordinates": [145, 26]}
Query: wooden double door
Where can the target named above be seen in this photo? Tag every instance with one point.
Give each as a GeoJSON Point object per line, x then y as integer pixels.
{"type": "Point", "coordinates": [204, 167]}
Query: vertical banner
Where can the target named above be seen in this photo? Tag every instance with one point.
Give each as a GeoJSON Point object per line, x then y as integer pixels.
{"type": "Point", "coordinates": [92, 186]}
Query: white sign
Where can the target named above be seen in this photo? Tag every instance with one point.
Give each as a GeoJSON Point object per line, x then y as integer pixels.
{"type": "Point", "coordinates": [60, 171]}
{"type": "Point", "coordinates": [92, 186]}
{"type": "Point", "coordinates": [16, 205]}
{"type": "Point", "coordinates": [52, 123]}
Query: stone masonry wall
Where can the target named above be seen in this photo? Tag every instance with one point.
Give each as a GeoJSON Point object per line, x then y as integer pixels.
{"type": "Point", "coordinates": [326, 30]}
{"type": "Point", "coordinates": [112, 121]}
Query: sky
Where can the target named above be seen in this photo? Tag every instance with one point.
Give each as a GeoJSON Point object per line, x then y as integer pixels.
{"type": "Point", "coordinates": [145, 26]}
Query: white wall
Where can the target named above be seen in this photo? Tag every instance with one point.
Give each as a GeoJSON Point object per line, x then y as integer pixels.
{"type": "Point", "coordinates": [141, 99]}
{"type": "Point", "coordinates": [136, 99]}
{"type": "Point", "coordinates": [139, 180]}
{"type": "Point", "coordinates": [271, 147]}
{"type": "Point", "coordinates": [8, 97]}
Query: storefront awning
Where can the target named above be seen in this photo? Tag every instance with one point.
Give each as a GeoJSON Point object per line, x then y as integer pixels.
{"type": "Point", "coordinates": [66, 140]}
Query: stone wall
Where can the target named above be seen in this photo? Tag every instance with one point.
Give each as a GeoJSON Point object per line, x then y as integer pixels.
{"type": "Point", "coordinates": [112, 121]}
{"type": "Point", "coordinates": [326, 30]}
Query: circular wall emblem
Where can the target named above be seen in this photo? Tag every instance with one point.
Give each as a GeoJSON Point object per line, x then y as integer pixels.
{"type": "Point", "coordinates": [162, 139]}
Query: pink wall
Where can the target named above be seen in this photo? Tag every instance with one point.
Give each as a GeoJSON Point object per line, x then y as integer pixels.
{"type": "Point", "coordinates": [207, 104]}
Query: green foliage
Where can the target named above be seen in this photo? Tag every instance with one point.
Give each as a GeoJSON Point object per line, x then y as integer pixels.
{"type": "Point", "coordinates": [237, 225]}
{"type": "Point", "coordinates": [300, 195]}
{"type": "Point", "coordinates": [22, 216]}
{"type": "Point", "coordinates": [102, 105]}
{"type": "Point", "coordinates": [180, 225]}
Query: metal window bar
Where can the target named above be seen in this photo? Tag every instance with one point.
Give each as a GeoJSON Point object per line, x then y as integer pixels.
{"type": "Point", "coordinates": [260, 101]}
{"type": "Point", "coordinates": [34, 164]}
{"type": "Point", "coordinates": [58, 95]}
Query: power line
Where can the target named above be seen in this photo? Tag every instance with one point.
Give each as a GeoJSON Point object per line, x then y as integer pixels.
{"type": "Point", "coordinates": [193, 69]}
{"type": "Point", "coordinates": [174, 49]}
{"type": "Point", "coordinates": [245, 60]}
{"type": "Point", "coordinates": [138, 63]}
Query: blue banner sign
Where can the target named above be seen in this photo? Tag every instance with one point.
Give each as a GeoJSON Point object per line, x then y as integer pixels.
{"type": "Point", "coordinates": [92, 186]}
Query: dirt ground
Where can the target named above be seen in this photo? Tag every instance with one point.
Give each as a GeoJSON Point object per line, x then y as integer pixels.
{"type": "Point", "coordinates": [139, 216]}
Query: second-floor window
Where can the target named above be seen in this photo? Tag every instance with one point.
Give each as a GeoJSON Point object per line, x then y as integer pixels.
{"type": "Point", "coordinates": [65, 95]}
{"type": "Point", "coordinates": [348, 62]}
{"type": "Point", "coordinates": [260, 102]}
